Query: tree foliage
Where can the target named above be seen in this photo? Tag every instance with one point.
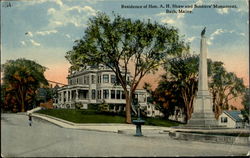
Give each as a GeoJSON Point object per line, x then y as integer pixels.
{"type": "Point", "coordinates": [21, 79]}
{"type": "Point", "coordinates": [166, 96]}
{"type": "Point", "coordinates": [224, 87]}
{"type": "Point", "coordinates": [119, 42]}
{"type": "Point", "coordinates": [183, 74]}
{"type": "Point", "coordinates": [181, 83]}
{"type": "Point", "coordinates": [246, 103]}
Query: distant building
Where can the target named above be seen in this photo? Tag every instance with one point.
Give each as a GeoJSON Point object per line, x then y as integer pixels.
{"type": "Point", "coordinates": [179, 115]}
{"type": "Point", "coordinates": [231, 119]}
{"type": "Point", "coordinates": [96, 85]}
{"type": "Point", "coordinates": [149, 109]}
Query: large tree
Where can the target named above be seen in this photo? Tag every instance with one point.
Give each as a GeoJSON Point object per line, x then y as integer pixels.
{"type": "Point", "coordinates": [183, 72]}
{"type": "Point", "coordinates": [224, 87]}
{"type": "Point", "coordinates": [119, 42]}
{"type": "Point", "coordinates": [166, 96]}
{"type": "Point", "coordinates": [181, 81]}
{"type": "Point", "coordinates": [21, 79]}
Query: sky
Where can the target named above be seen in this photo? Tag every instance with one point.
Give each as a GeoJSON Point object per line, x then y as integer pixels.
{"type": "Point", "coordinates": [44, 30]}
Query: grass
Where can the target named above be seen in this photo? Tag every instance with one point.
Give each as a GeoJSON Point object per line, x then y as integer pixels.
{"type": "Point", "coordinates": [91, 116]}
{"type": "Point", "coordinates": [160, 122]}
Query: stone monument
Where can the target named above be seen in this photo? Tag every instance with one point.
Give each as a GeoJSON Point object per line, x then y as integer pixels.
{"type": "Point", "coordinates": [203, 115]}
{"type": "Point", "coordinates": [203, 126]}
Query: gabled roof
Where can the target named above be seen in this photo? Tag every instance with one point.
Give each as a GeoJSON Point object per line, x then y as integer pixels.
{"type": "Point", "coordinates": [234, 114]}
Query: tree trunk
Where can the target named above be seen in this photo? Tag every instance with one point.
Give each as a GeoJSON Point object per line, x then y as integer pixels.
{"type": "Point", "coordinates": [128, 107]}
{"type": "Point", "coordinates": [22, 105]}
{"type": "Point", "coordinates": [22, 99]}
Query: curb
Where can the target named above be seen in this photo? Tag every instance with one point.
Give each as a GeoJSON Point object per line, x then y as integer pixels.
{"type": "Point", "coordinates": [66, 124]}
{"type": "Point", "coordinates": [113, 127]}
{"type": "Point", "coordinates": [55, 118]}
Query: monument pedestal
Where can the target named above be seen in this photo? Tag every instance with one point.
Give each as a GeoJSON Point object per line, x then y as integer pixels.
{"type": "Point", "coordinates": [203, 115]}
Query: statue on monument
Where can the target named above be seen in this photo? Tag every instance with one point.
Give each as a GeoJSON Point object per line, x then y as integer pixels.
{"type": "Point", "coordinates": [203, 32]}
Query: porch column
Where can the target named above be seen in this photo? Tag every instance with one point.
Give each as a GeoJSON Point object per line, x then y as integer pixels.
{"type": "Point", "coordinates": [67, 96]}
{"type": "Point", "coordinates": [62, 95]}
{"type": "Point", "coordinates": [70, 97]}
{"type": "Point", "coordinates": [77, 95]}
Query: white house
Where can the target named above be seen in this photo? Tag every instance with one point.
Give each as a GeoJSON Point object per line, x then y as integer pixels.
{"type": "Point", "coordinates": [178, 115]}
{"type": "Point", "coordinates": [231, 119]}
{"type": "Point", "coordinates": [142, 95]}
{"type": "Point", "coordinates": [96, 85]}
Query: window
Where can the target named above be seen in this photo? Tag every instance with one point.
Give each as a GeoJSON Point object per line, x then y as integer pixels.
{"type": "Point", "coordinates": [80, 80]}
{"type": "Point", "coordinates": [93, 93]}
{"type": "Point", "coordinates": [118, 94]}
{"type": "Point", "coordinates": [223, 119]}
{"type": "Point", "coordinates": [112, 94]}
{"type": "Point", "coordinates": [106, 78]}
{"type": "Point", "coordinates": [123, 95]}
{"type": "Point", "coordinates": [99, 79]}
{"type": "Point", "coordinates": [113, 79]}
{"type": "Point", "coordinates": [93, 79]}
{"type": "Point", "coordinates": [99, 93]}
{"type": "Point", "coordinates": [76, 80]}
{"type": "Point", "coordinates": [86, 80]}
{"type": "Point", "coordinates": [105, 94]}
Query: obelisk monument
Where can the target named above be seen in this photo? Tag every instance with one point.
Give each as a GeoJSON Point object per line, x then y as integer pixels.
{"type": "Point", "coordinates": [203, 115]}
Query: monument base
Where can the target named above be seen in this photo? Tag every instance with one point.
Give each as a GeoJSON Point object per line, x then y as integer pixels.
{"type": "Point", "coordinates": [203, 115]}
{"type": "Point", "coordinates": [202, 120]}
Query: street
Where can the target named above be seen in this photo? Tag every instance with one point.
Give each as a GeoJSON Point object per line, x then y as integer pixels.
{"type": "Point", "coordinates": [44, 139]}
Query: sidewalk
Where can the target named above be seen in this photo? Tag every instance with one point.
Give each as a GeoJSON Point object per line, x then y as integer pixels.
{"type": "Point", "coordinates": [103, 127]}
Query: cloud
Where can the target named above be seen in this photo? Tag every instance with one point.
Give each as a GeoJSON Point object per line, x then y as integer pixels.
{"type": "Point", "coordinates": [43, 33]}
{"type": "Point", "coordinates": [213, 35]}
{"type": "Point", "coordinates": [23, 43]}
{"type": "Point", "coordinates": [168, 21]}
{"type": "Point", "coordinates": [220, 31]}
{"type": "Point", "coordinates": [68, 36]}
{"type": "Point", "coordinates": [34, 43]}
{"type": "Point", "coordinates": [242, 34]}
{"type": "Point", "coordinates": [51, 11]}
{"type": "Point", "coordinates": [58, 23]}
{"type": "Point", "coordinates": [89, 10]}
{"type": "Point", "coordinates": [30, 3]}
{"type": "Point", "coordinates": [64, 16]}
{"type": "Point", "coordinates": [191, 39]}
{"type": "Point", "coordinates": [223, 11]}
{"type": "Point", "coordinates": [29, 34]}
{"type": "Point", "coordinates": [59, 2]}
{"type": "Point", "coordinates": [244, 8]}
{"type": "Point", "coordinates": [176, 19]}
{"type": "Point", "coordinates": [164, 18]}
{"type": "Point", "coordinates": [161, 14]}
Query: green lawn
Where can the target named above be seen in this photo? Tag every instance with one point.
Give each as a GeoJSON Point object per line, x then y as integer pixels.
{"type": "Point", "coordinates": [91, 116]}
